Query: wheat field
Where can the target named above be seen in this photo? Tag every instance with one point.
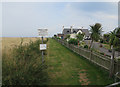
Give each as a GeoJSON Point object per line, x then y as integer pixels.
{"type": "Point", "coordinates": [10, 42]}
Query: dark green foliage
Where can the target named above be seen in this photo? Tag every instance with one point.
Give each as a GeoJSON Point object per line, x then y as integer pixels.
{"type": "Point", "coordinates": [96, 31]}
{"type": "Point", "coordinates": [114, 38]}
{"type": "Point", "coordinates": [101, 40]}
{"type": "Point", "coordinates": [67, 37]}
{"type": "Point", "coordinates": [47, 39]}
{"type": "Point", "coordinates": [73, 41]}
{"type": "Point", "coordinates": [109, 50]}
{"type": "Point", "coordinates": [24, 66]}
{"type": "Point", "coordinates": [80, 36]}
{"type": "Point", "coordinates": [58, 38]}
{"type": "Point", "coordinates": [86, 46]}
{"type": "Point", "coordinates": [106, 38]}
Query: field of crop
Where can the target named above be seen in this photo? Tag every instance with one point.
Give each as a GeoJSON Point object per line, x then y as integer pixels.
{"type": "Point", "coordinates": [10, 42]}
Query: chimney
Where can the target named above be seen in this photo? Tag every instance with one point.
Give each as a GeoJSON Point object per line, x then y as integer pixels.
{"type": "Point", "coordinates": [71, 28]}
{"type": "Point", "coordinates": [63, 27]}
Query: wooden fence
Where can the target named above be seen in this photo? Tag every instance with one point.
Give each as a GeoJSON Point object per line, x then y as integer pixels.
{"type": "Point", "coordinates": [96, 58]}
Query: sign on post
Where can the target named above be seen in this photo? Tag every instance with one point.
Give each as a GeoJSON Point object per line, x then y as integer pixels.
{"type": "Point", "coordinates": [43, 32]}
{"type": "Point", "coordinates": [43, 46]}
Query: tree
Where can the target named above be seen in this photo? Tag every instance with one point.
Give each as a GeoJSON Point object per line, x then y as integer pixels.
{"type": "Point", "coordinates": [106, 37]}
{"type": "Point", "coordinates": [96, 31]}
{"type": "Point", "coordinates": [114, 42]}
{"type": "Point", "coordinates": [73, 41]}
{"type": "Point", "coordinates": [67, 37]}
{"type": "Point", "coordinates": [114, 38]}
{"type": "Point", "coordinates": [80, 36]}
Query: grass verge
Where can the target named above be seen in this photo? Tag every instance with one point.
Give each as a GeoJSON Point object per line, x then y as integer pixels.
{"type": "Point", "coordinates": [68, 68]}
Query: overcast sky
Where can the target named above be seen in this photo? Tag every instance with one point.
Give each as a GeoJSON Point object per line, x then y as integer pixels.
{"type": "Point", "coordinates": [22, 19]}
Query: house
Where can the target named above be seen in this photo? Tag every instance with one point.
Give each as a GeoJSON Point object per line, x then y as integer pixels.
{"type": "Point", "coordinates": [60, 36]}
{"type": "Point", "coordinates": [74, 31]}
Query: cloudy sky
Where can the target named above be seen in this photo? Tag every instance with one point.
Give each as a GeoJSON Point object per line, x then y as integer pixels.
{"type": "Point", "coordinates": [22, 19]}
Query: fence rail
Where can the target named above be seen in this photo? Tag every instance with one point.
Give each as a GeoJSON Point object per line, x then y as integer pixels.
{"type": "Point", "coordinates": [98, 59]}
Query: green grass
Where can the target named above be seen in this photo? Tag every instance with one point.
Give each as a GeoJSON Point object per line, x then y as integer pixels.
{"type": "Point", "coordinates": [107, 46]}
{"type": "Point", "coordinates": [68, 68]}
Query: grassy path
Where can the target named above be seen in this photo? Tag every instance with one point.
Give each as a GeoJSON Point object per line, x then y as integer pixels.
{"type": "Point", "coordinates": [68, 68]}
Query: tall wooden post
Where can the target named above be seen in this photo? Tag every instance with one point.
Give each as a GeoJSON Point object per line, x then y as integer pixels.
{"type": "Point", "coordinates": [112, 63]}
{"type": "Point", "coordinates": [42, 52]}
{"type": "Point", "coordinates": [90, 54]}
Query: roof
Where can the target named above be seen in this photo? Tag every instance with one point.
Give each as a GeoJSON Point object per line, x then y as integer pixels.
{"type": "Point", "coordinates": [60, 34]}
{"type": "Point", "coordinates": [75, 30]}
{"type": "Point", "coordinates": [86, 32]}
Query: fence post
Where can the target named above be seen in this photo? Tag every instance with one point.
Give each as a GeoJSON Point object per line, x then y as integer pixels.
{"type": "Point", "coordinates": [112, 63]}
{"type": "Point", "coordinates": [90, 55]}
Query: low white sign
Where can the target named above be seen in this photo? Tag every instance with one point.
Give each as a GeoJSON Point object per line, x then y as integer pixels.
{"type": "Point", "coordinates": [43, 46]}
{"type": "Point", "coordinates": [43, 32]}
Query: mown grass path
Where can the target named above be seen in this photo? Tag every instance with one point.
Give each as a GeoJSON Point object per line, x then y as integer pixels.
{"type": "Point", "coordinates": [67, 68]}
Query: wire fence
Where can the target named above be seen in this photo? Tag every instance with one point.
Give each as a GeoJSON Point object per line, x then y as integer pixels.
{"type": "Point", "coordinates": [98, 59]}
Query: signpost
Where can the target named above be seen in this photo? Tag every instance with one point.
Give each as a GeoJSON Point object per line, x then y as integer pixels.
{"type": "Point", "coordinates": [43, 46]}
{"type": "Point", "coordinates": [43, 32]}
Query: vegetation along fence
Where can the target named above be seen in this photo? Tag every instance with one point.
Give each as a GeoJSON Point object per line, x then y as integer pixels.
{"type": "Point", "coordinates": [98, 59]}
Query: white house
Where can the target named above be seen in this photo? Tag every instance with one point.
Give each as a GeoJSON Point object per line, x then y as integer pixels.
{"type": "Point", "coordinates": [74, 31]}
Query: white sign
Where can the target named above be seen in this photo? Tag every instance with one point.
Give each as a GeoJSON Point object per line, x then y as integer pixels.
{"type": "Point", "coordinates": [43, 32]}
{"type": "Point", "coordinates": [43, 46]}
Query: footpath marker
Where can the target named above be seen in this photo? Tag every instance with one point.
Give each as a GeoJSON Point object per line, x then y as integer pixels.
{"type": "Point", "coordinates": [43, 32]}
{"type": "Point", "coordinates": [43, 46]}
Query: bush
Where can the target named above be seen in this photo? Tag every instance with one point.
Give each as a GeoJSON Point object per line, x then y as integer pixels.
{"type": "Point", "coordinates": [109, 50]}
{"type": "Point", "coordinates": [117, 49]}
{"type": "Point", "coordinates": [24, 66]}
{"type": "Point", "coordinates": [86, 46]}
{"type": "Point", "coordinates": [58, 38]}
{"type": "Point", "coordinates": [82, 43]}
{"type": "Point", "coordinates": [47, 40]}
{"type": "Point", "coordinates": [102, 53]}
{"type": "Point", "coordinates": [101, 41]}
{"type": "Point", "coordinates": [73, 41]}
{"type": "Point", "coordinates": [117, 59]}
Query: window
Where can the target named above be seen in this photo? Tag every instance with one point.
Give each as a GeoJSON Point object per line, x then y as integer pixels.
{"type": "Point", "coordinates": [67, 31]}
{"type": "Point", "coordinates": [74, 31]}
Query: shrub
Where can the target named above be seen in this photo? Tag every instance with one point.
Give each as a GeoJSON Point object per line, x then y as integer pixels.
{"type": "Point", "coordinates": [82, 43]}
{"type": "Point", "coordinates": [109, 50]}
{"type": "Point", "coordinates": [86, 46]}
{"type": "Point", "coordinates": [117, 58]}
{"type": "Point", "coordinates": [47, 39]}
{"type": "Point", "coordinates": [24, 66]}
{"type": "Point", "coordinates": [67, 37]}
{"type": "Point", "coordinates": [73, 41]}
{"type": "Point", "coordinates": [101, 41]}
{"type": "Point", "coordinates": [58, 38]}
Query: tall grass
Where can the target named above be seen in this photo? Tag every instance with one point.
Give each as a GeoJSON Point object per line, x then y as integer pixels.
{"type": "Point", "coordinates": [23, 66]}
